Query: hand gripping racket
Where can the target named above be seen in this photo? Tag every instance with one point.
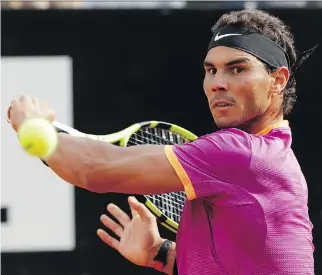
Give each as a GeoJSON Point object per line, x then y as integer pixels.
{"type": "Point", "coordinates": [166, 207]}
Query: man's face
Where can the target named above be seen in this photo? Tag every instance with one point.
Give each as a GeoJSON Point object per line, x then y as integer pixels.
{"type": "Point", "coordinates": [237, 86]}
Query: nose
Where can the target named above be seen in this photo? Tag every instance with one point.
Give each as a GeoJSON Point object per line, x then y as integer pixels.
{"type": "Point", "coordinates": [218, 83]}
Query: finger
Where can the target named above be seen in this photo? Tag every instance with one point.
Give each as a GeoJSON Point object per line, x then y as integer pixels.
{"type": "Point", "coordinates": [9, 109]}
{"type": "Point", "coordinates": [51, 114]}
{"type": "Point", "coordinates": [106, 238]}
{"type": "Point", "coordinates": [140, 208]}
{"type": "Point", "coordinates": [133, 211]}
{"type": "Point", "coordinates": [119, 214]}
{"type": "Point", "coordinates": [25, 99]}
{"type": "Point", "coordinates": [109, 223]}
{"type": "Point", "coordinates": [8, 113]}
{"type": "Point", "coordinates": [35, 100]}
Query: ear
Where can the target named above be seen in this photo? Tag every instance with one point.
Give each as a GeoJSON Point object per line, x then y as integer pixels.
{"type": "Point", "coordinates": [280, 78]}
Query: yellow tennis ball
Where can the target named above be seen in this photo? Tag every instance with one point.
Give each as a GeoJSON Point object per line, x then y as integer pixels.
{"type": "Point", "coordinates": [38, 137]}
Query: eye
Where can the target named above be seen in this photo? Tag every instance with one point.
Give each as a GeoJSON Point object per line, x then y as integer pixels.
{"type": "Point", "coordinates": [237, 70]}
{"type": "Point", "coordinates": [212, 71]}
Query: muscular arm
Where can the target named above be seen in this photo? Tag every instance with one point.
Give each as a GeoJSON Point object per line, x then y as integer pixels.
{"type": "Point", "coordinates": [102, 167]}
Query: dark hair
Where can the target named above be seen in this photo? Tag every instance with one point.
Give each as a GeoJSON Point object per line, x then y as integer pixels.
{"type": "Point", "coordinates": [273, 28]}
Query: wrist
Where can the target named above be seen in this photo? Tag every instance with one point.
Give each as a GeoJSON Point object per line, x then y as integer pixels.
{"type": "Point", "coordinates": [171, 257]}
{"type": "Point", "coordinates": [162, 256]}
{"type": "Point", "coordinates": [154, 251]}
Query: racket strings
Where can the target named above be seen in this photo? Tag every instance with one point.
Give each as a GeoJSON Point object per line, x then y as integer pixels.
{"type": "Point", "coordinates": [155, 136]}
{"type": "Point", "coordinates": [170, 204]}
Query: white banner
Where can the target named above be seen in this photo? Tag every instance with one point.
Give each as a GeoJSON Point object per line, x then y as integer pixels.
{"type": "Point", "coordinates": [40, 206]}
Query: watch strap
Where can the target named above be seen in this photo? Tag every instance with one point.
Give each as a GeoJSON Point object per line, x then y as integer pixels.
{"type": "Point", "coordinates": [160, 259]}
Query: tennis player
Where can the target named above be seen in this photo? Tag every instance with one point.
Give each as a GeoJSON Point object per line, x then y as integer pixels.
{"type": "Point", "coordinates": [246, 212]}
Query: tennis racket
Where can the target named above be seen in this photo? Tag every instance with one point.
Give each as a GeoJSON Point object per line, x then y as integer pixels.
{"type": "Point", "coordinates": [168, 207]}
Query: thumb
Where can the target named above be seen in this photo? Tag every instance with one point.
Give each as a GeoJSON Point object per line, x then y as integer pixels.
{"type": "Point", "coordinates": [139, 208]}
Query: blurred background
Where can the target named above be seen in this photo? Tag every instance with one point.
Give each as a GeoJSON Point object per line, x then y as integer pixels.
{"type": "Point", "coordinates": [104, 65]}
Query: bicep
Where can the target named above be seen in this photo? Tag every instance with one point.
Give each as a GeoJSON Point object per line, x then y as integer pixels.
{"type": "Point", "coordinates": [141, 169]}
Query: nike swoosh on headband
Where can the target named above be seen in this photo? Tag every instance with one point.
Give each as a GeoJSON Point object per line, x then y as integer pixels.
{"type": "Point", "coordinates": [251, 42]}
{"type": "Point", "coordinates": [217, 37]}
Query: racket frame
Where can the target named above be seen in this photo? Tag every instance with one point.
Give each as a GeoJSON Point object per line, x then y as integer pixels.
{"type": "Point", "coordinates": [121, 138]}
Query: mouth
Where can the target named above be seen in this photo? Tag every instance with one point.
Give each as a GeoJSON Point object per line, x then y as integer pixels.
{"type": "Point", "coordinates": [222, 104]}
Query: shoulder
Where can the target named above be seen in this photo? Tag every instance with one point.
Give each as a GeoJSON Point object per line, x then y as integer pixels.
{"type": "Point", "coordinates": [228, 147]}
{"type": "Point", "coordinates": [227, 141]}
{"type": "Point", "coordinates": [228, 136]}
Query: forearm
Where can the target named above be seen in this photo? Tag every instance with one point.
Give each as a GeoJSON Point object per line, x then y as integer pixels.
{"type": "Point", "coordinates": [75, 158]}
{"type": "Point", "coordinates": [102, 167]}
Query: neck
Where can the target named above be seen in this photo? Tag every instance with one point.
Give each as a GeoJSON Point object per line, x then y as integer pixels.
{"type": "Point", "coordinates": [259, 123]}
